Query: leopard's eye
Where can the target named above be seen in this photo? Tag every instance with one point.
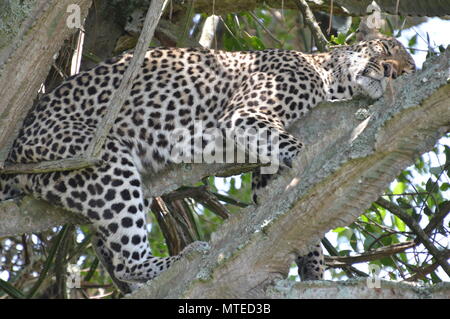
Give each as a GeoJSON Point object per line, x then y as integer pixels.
{"type": "Point", "coordinates": [387, 68]}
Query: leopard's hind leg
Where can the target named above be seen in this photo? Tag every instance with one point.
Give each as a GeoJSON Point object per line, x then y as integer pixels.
{"type": "Point", "coordinates": [111, 197]}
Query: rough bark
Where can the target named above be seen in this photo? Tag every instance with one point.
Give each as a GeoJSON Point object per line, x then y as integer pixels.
{"type": "Point", "coordinates": [355, 289]}
{"type": "Point", "coordinates": [27, 58]}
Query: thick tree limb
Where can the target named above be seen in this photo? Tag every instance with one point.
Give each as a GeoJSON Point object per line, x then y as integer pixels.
{"type": "Point", "coordinates": [50, 166]}
{"type": "Point", "coordinates": [27, 214]}
{"type": "Point", "coordinates": [347, 164]}
{"type": "Point", "coordinates": [355, 289]}
{"type": "Point", "coordinates": [24, 63]}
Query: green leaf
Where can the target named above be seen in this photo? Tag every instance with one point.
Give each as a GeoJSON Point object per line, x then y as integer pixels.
{"type": "Point", "coordinates": [447, 156]}
{"type": "Point", "coordinates": [404, 203]}
{"type": "Point", "coordinates": [427, 211]}
{"type": "Point", "coordinates": [399, 188]}
{"type": "Point", "coordinates": [436, 171]}
{"type": "Point", "coordinates": [368, 242]}
{"type": "Point", "coordinates": [412, 43]}
{"type": "Point", "coordinates": [354, 242]}
{"type": "Point", "coordinates": [344, 252]}
{"type": "Point", "coordinates": [430, 185]}
{"type": "Point", "coordinates": [339, 40]}
{"type": "Point", "coordinates": [400, 224]}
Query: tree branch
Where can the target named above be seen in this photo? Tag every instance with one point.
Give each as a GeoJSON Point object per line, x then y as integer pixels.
{"type": "Point", "coordinates": [355, 288]}
{"type": "Point", "coordinates": [438, 217]}
{"type": "Point", "coordinates": [420, 233]}
{"type": "Point", "coordinates": [341, 261]}
{"type": "Point", "coordinates": [421, 273]}
{"type": "Point", "coordinates": [320, 40]}
{"type": "Point", "coordinates": [50, 166]}
{"type": "Point", "coordinates": [27, 214]}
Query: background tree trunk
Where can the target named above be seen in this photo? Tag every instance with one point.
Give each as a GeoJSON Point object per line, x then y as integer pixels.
{"type": "Point", "coordinates": [27, 57]}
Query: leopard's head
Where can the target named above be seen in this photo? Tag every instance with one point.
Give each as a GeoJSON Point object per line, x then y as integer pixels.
{"type": "Point", "coordinates": [383, 60]}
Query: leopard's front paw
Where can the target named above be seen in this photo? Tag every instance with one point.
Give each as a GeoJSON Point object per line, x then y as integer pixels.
{"type": "Point", "coordinates": [288, 155]}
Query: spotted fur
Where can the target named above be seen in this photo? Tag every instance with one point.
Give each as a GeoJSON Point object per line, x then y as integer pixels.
{"type": "Point", "coordinates": [265, 90]}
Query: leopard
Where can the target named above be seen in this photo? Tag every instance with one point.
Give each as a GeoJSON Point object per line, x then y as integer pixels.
{"type": "Point", "coordinates": [232, 92]}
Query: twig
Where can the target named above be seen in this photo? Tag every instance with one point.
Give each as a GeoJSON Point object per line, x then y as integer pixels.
{"type": "Point", "coordinates": [202, 195]}
{"type": "Point", "coordinates": [415, 227]}
{"type": "Point", "coordinates": [121, 94]}
{"type": "Point", "coordinates": [348, 269]}
{"type": "Point", "coordinates": [230, 200]}
{"type": "Point", "coordinates": [330, 23]}
{"type": "Point", "coordinates": [437, 218]}
{"type": "Point", "coordinates": [406, 194]}
{"type": "Point", "coordinates": [11, 290]}
{"type": "Point", "coordinates": [319, 38]}
{"type": "Point", "coordinates": [335, 261]}
{"type": "Point", "coordinates": [50, 166]}
{"type": "Point", "coordinates": [422, 272]}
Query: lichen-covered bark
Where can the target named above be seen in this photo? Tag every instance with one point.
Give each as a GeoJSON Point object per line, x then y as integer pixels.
{"type": "Point", "coordinates": [12, 14]}
{"type": "Point", "coordinates": [27, 214]}
{"type": "Point", "coordinates": [27, 57]}
{"type": "Point", "coordinates": [356, 289]}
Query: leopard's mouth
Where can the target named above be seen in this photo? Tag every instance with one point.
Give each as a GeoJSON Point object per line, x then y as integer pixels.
{"type": "Point", "coordinates": [372, 87]}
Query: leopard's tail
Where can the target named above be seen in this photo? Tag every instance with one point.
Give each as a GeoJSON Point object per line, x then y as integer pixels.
{"type": "Point", "coordinates": [9, 186]}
